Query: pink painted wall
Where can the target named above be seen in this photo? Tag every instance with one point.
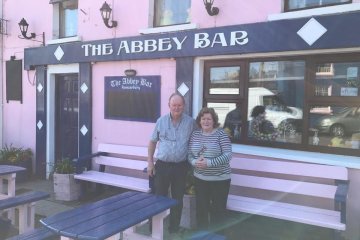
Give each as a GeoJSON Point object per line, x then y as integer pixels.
{"type": "Point", "coordinates": [20, 119]}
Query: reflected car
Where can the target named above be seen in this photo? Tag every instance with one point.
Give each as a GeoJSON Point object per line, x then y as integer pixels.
{"type": "Point", "coordinates": [345, 122]}
{"type": "Point", "coordinates": [290, 118]}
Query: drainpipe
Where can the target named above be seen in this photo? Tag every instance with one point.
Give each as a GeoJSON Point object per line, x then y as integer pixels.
{"type": "Point", "coordinates": [1, 76]}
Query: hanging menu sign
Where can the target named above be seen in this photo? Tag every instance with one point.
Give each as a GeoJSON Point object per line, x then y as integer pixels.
{"type": "Point", "coordinates": [132, 98]}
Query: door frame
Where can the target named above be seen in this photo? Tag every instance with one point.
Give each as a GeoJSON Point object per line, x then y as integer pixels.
{"type": "Point", "coordinates": [51, 107]}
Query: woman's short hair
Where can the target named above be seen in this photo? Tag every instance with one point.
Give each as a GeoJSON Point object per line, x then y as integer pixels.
{"type": "Point", "coordinates": [213, 114]}
{"type": "Point", "coordinates": [257, 110]}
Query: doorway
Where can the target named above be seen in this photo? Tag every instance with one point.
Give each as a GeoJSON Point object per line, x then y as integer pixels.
{"type": "Point", "coordinates": [66, 116]}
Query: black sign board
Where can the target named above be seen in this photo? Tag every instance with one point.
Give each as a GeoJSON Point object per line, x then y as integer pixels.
{"type": "Point", "coordinates": [132, 98]}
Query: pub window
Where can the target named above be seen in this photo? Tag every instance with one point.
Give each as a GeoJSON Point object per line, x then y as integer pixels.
{"type": "Point", "coordinates": [295, 5]}
{"type": "Point", "coordinates": [311, 102]}
{"type": "Point", "coordinates": [170, 12]}
{"type": "Point", "coordinates": [278, 86]}
{"type": "Point", "coordinates": [65, 18]}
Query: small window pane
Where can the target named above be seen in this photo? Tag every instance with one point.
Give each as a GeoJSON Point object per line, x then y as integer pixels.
{"type": "Point", "coordinates": [301, 4]}
{"type": "Point", "coordinates": [277, 86]}
{"type": "Point", "coordinates": [68, 18]}
{"type": "Point", "coordinates": [229, 118]}
{"type": "Point", "coordinates": [335, 126]}
{"type": "Point", "coordinates": [337, 79]}
{"type": "Point", "coordinates": [224, 80]}
{"type": "Point", "coordinates": [170, 12]}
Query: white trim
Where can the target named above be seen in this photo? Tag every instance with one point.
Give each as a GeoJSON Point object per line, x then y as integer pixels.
{"type": "Point", "coordinates": [295, 155]}
{"type": "Point", "coordinates": [315, 12]}
{"type": "Point", "coordinates": [50, 110]}
{"type": "Point", "coordinates": [173, 28]}
{"type": "Point", "coordinates": [64, 40]}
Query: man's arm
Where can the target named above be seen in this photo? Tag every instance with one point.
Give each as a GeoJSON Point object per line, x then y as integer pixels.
{"type": "Point", "coordinates": [150, 160]}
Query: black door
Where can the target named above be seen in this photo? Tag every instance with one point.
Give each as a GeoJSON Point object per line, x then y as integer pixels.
{"type": "Point", "coordinates": [67, 113]}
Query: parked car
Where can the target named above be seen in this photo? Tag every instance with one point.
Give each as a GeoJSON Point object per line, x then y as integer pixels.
{"type": "Point", "coordinates": [345, 122]}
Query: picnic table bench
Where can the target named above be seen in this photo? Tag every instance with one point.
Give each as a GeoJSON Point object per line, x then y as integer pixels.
{"type": "Point", "coordinates": [284, 190]}
{"type": "Point", "coordinates": [107, 218]}
{"type": "Point", "coordinates": [25, 203]}
{"type": "Point", "coordinates": [120, 166]}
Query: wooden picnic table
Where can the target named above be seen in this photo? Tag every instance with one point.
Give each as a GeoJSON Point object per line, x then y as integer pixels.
{"type": "Point", "coordinates": [8, 172]}
{"type": "Point", "coordinates": [108, 218]}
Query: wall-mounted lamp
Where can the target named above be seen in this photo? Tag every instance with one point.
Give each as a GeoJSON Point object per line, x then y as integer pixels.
{"type": "Point", "coordinates": [105, 14]}
{"type": "Point", "coordinates": [130, 72]}
{"type": "Point", "coordinates": [212, 11]}
{"type": "Point", "coordinates": [23, 25]}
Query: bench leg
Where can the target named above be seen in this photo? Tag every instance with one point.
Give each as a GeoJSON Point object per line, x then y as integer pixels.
{"type": "Point", "coordinates": [26, 217]}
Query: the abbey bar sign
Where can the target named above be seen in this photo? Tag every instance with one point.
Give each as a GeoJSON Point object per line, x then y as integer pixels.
{"type": "Point", "coordinates": [200, 40]}
{"type": "Point", "coordinates": [262, 37]}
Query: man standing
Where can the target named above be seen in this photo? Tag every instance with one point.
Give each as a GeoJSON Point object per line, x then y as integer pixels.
{"type": "Point", "coordinates": [172, 132]}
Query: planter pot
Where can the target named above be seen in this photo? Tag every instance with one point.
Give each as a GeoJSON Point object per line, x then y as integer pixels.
{"type": "Point", "coordinates": [188, 216]}
{"type": "Point", "coordinates": [66, 188]}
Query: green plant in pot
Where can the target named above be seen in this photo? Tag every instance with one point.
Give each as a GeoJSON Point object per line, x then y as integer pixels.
{"type": "Point", "coordinates": [64, 166]}
{"type": "Point", "coordinates": [66, 188]}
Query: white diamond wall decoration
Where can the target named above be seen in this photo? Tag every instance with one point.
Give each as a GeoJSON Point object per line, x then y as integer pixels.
{"type": "Point", "coordinates": [40, 87]}
{"type": "Point", "coordinates": [183, 89]}
{"type": "Point", "coordinates": [84, 130]}
{"type": "Point", "coordinates": [59, 53]}
{"type": "Point", "coordinates": [84, 88]}
{"type": "Point", "coordinates": [311, 31]}
{"type": "Point", "coordinates": [39, 125]}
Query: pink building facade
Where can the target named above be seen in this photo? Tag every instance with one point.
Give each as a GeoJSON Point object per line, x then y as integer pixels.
{"type": "Point", "coordinates": [71, 92]}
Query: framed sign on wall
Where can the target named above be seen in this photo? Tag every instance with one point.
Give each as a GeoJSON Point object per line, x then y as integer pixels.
{"type": "Point", "coordinates": [132, 98]}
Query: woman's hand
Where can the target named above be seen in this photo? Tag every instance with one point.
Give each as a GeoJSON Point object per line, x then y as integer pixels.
{"type": "Point", "coordinates": [201, 162]}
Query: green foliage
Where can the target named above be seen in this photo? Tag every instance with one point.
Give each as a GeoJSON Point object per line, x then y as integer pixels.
{"type": "Point", "coordinates": [14, 155]}
{"type": "Point", "coordinates": [65, 166]}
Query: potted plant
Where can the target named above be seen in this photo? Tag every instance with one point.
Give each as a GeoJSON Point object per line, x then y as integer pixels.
{"type": "Point", "coordinates": [188, 217]}
{"type": "Point", "coordinates": [66, 188]}
{"type": "Point", "coordinates": [18, 156]}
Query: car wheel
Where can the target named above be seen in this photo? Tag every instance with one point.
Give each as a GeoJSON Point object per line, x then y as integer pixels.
{"type": "Point", "coordinates": [337, 130]}
{"type": "Point", "coordinates": [289, 128]}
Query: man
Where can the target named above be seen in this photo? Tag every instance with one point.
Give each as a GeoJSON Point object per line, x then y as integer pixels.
{"type": "Point", "coordinates": [172, 132]}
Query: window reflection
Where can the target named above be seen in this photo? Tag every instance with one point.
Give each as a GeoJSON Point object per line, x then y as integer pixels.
{"type": "Point", "coordinates": [68, 18]}
{"type": "Point", "coordinates": [300, 4]}
{"type": "Point", "coordinates": [335, 126]}
{"type": "Point", "coordinates": [278, 86]}
{"type": "Point", "coordinates": [337, 79]}
{"type": "Point", "coordinates": [229, 118]}
{"type": "Point", "coordinates": [169, 12]}
{"type": "Point", "coordinates": [224, 80]}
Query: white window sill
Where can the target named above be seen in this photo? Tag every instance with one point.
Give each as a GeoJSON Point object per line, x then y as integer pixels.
{"type": "Point", "coordinates": [64, 40]}
{"type": "Point", "coordinates": [173, 28]}
{"type": "Point", "coordinates": [316, 12]}
{"type": "Point", "coordinates": [303, 156]}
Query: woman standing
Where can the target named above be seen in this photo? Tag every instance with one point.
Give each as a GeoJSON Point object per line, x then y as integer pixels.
{"type": "Point", "coordinates": [210, 155]}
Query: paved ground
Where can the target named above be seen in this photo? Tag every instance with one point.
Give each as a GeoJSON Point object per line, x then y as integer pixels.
{"type": "Point", "coordinates": [240, 227]}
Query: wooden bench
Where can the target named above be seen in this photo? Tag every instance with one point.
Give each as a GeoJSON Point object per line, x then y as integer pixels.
{"type": "Point", "coordinates": [293, 186]}
{"type": "Point", "coordinates": [25, 203]}
{"type": "Point", "coordinates": [130, 161]}
{"type": "Point", "coordinates": [36, 234]}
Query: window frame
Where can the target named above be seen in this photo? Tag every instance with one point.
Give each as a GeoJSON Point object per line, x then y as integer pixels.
{"type": "Point", "coordinates": [286, 6]}
{"type": "Point", "coordinates": [311, 61]}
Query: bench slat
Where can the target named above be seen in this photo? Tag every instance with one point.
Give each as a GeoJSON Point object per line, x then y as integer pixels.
{"type": "Point", "coordinates": [123, 149]}
{"type": "Point", "coordinates": [36, 234]}
{"type": "Point", "coordinates": [302, 214]}
{"type": "Point", "coordinates": [28, 197]}
{"type": "Point", "coordinates": [287, 186]}
{"type": "Point", "coordinates": [121, 162]}
{"type": "Point", "coordinates": [134, 183]}
{"type": "Point", "coordinates": [291, 168]}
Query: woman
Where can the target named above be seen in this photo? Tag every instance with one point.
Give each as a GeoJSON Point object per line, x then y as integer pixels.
{"type": "Point", "coordinates": [210, 155]}
{"type": "Point", "coordinates": [259, 127]}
